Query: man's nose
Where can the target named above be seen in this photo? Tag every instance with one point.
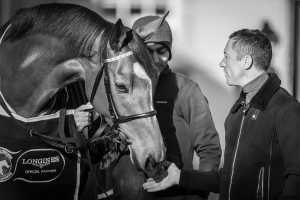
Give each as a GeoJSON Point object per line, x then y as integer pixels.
{"type": "Point", "coordinates": [156, 57]}
{"type": "Point", "coordinates": [222, 63]}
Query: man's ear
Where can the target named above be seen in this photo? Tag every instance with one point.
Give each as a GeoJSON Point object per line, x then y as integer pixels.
{"type": "Point", "coordinates": [247, 61]}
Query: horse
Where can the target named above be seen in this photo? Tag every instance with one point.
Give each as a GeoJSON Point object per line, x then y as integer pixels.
{"type": "Point", "coordinates": [50, 46]}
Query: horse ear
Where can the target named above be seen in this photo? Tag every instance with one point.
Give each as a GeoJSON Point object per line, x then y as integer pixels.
{"type": "Point", "coordinates": [118, 36]}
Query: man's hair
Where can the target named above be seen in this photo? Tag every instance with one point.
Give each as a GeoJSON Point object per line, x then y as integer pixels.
{"type": "Point", "coordinates": [253, 43]}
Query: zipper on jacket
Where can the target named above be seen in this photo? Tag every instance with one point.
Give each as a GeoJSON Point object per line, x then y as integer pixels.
{"type": "Point", "coordinates": [260, 184]}
{"type": "Point", "coordinates": [269, 167]}
{"type": "Point", "coordinates": [245, 109]}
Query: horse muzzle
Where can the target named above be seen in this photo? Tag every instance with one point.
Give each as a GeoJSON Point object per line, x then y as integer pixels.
{"type": "Point", "coordinates": [156, 170]}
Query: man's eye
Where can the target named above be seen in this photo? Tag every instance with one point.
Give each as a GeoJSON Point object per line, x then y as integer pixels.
{"type": "Point", "coordinates": [162, 51]}
{"type": "Point", "coordinates": [122, 88]}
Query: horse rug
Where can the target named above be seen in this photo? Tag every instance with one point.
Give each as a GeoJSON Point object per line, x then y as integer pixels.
{"type": "Point", "coordinates": [32, 169]}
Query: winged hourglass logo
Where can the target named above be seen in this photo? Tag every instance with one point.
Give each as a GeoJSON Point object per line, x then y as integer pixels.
{"type": "Point", "coordinates": [5, 164]}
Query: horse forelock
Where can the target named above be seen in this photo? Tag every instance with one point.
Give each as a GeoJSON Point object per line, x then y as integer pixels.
{"type": "Point", "coordinates": [143, 56]}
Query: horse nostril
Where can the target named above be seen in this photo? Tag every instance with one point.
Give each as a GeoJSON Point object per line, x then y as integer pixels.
{"type": "Point", "coordinates": [156, 170]}
{"type": "Point", "coordinates": [150, 163]}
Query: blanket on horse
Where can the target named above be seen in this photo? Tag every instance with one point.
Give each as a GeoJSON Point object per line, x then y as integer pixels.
{"type": "Point", "coordinates": [32, 169]}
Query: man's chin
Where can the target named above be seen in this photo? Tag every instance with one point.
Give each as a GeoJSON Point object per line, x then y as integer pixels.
{"type": "Point", "coordinates": [161, 67]}
{"type": "Point", "coordinates": [228, 82]}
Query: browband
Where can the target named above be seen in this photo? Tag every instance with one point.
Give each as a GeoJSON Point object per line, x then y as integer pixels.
{"type": "Point", "coordinates": [108, 60]}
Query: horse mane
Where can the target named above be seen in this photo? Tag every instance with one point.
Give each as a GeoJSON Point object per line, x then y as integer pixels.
{"type": "Point", "coordinates": [60, 20]}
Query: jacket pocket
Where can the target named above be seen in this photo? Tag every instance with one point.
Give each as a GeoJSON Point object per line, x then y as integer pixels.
{"type": "Point", "coordinates": [260, 184]}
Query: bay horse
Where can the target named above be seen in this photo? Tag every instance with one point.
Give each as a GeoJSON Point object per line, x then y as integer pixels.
{"type": "Point", "coordinates": [50, 46]}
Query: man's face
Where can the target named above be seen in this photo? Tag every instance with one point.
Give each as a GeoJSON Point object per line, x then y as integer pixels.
{"type": "Point", "coordinates": [233, 68]}
{"type": "Point", "coordinates": [160, 54]}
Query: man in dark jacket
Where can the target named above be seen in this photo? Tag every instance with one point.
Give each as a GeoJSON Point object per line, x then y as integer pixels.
{"type": "Point", "coordinates": [262, 154]}
{"type": "Point", "coordinates": [183, 111]}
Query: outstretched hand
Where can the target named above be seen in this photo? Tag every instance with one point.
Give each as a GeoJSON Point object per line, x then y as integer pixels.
{"type": "Point", "coordinates": [171, 179]}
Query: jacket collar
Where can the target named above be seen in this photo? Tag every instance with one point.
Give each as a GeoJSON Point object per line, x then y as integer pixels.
{"type": "Point", "coordinates": [254, 86]}
{"type": "Point", "coordinates": [263, 96]}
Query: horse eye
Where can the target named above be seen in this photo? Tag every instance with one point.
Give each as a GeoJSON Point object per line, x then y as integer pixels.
{"type": "Point", "coordinates": [122, 88]}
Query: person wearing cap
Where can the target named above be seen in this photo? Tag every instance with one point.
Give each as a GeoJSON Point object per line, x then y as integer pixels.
{"type": "Point", "coordinates": [183, 110]}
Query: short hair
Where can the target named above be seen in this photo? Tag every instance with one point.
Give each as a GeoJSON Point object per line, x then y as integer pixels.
{"type": "Point", "coordinates": [253, 43]}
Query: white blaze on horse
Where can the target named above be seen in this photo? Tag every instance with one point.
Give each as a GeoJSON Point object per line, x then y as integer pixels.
{"type": "Point", "coordinates": [47, 47]}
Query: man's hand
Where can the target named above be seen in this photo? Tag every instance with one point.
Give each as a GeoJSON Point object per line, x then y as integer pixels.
{"type": "Point", "coordinates": [172, 179]}
{"type": "Point", "coordinates": [82, 116]}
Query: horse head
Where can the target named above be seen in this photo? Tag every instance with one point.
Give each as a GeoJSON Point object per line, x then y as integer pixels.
{"type": "Point", "coordinates": [122, 91]}
{"type": "Point", "coordinates": [36, 63]}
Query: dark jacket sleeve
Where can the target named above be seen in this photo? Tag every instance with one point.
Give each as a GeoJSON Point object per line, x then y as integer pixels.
{"type": "Point", "coordinates": [205, 138]}
{"type": "Point", "coordinates": [192, 180]}
{"type": "Point", "coordinates": [288, 126]}
{"type": "Point", "coordinates": [167, 91]}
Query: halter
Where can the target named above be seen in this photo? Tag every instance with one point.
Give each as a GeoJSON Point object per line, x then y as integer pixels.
{"type": "Point", "coordinates": [116, 117]}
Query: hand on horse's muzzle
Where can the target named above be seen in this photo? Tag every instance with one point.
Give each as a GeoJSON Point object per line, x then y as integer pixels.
{"type": "Point", "coordinates": [156, 170]}
{"type": "Point", "coordinates": [172, 178]}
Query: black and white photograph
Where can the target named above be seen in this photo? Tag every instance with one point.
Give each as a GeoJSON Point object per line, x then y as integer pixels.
{"type": "Point", "coordinates": [149, 100]}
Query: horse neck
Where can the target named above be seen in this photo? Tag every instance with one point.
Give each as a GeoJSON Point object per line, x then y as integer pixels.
{"type": "Point", "coordinates": [25, 100]}
{"type": "Point", "coordinates": [27, 78]}
{"type": "Point", "coordinates": [15, 94]}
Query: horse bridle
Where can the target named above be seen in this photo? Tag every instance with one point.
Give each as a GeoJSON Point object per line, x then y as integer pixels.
{"type": "Point", "coordinates": [116, 117]}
